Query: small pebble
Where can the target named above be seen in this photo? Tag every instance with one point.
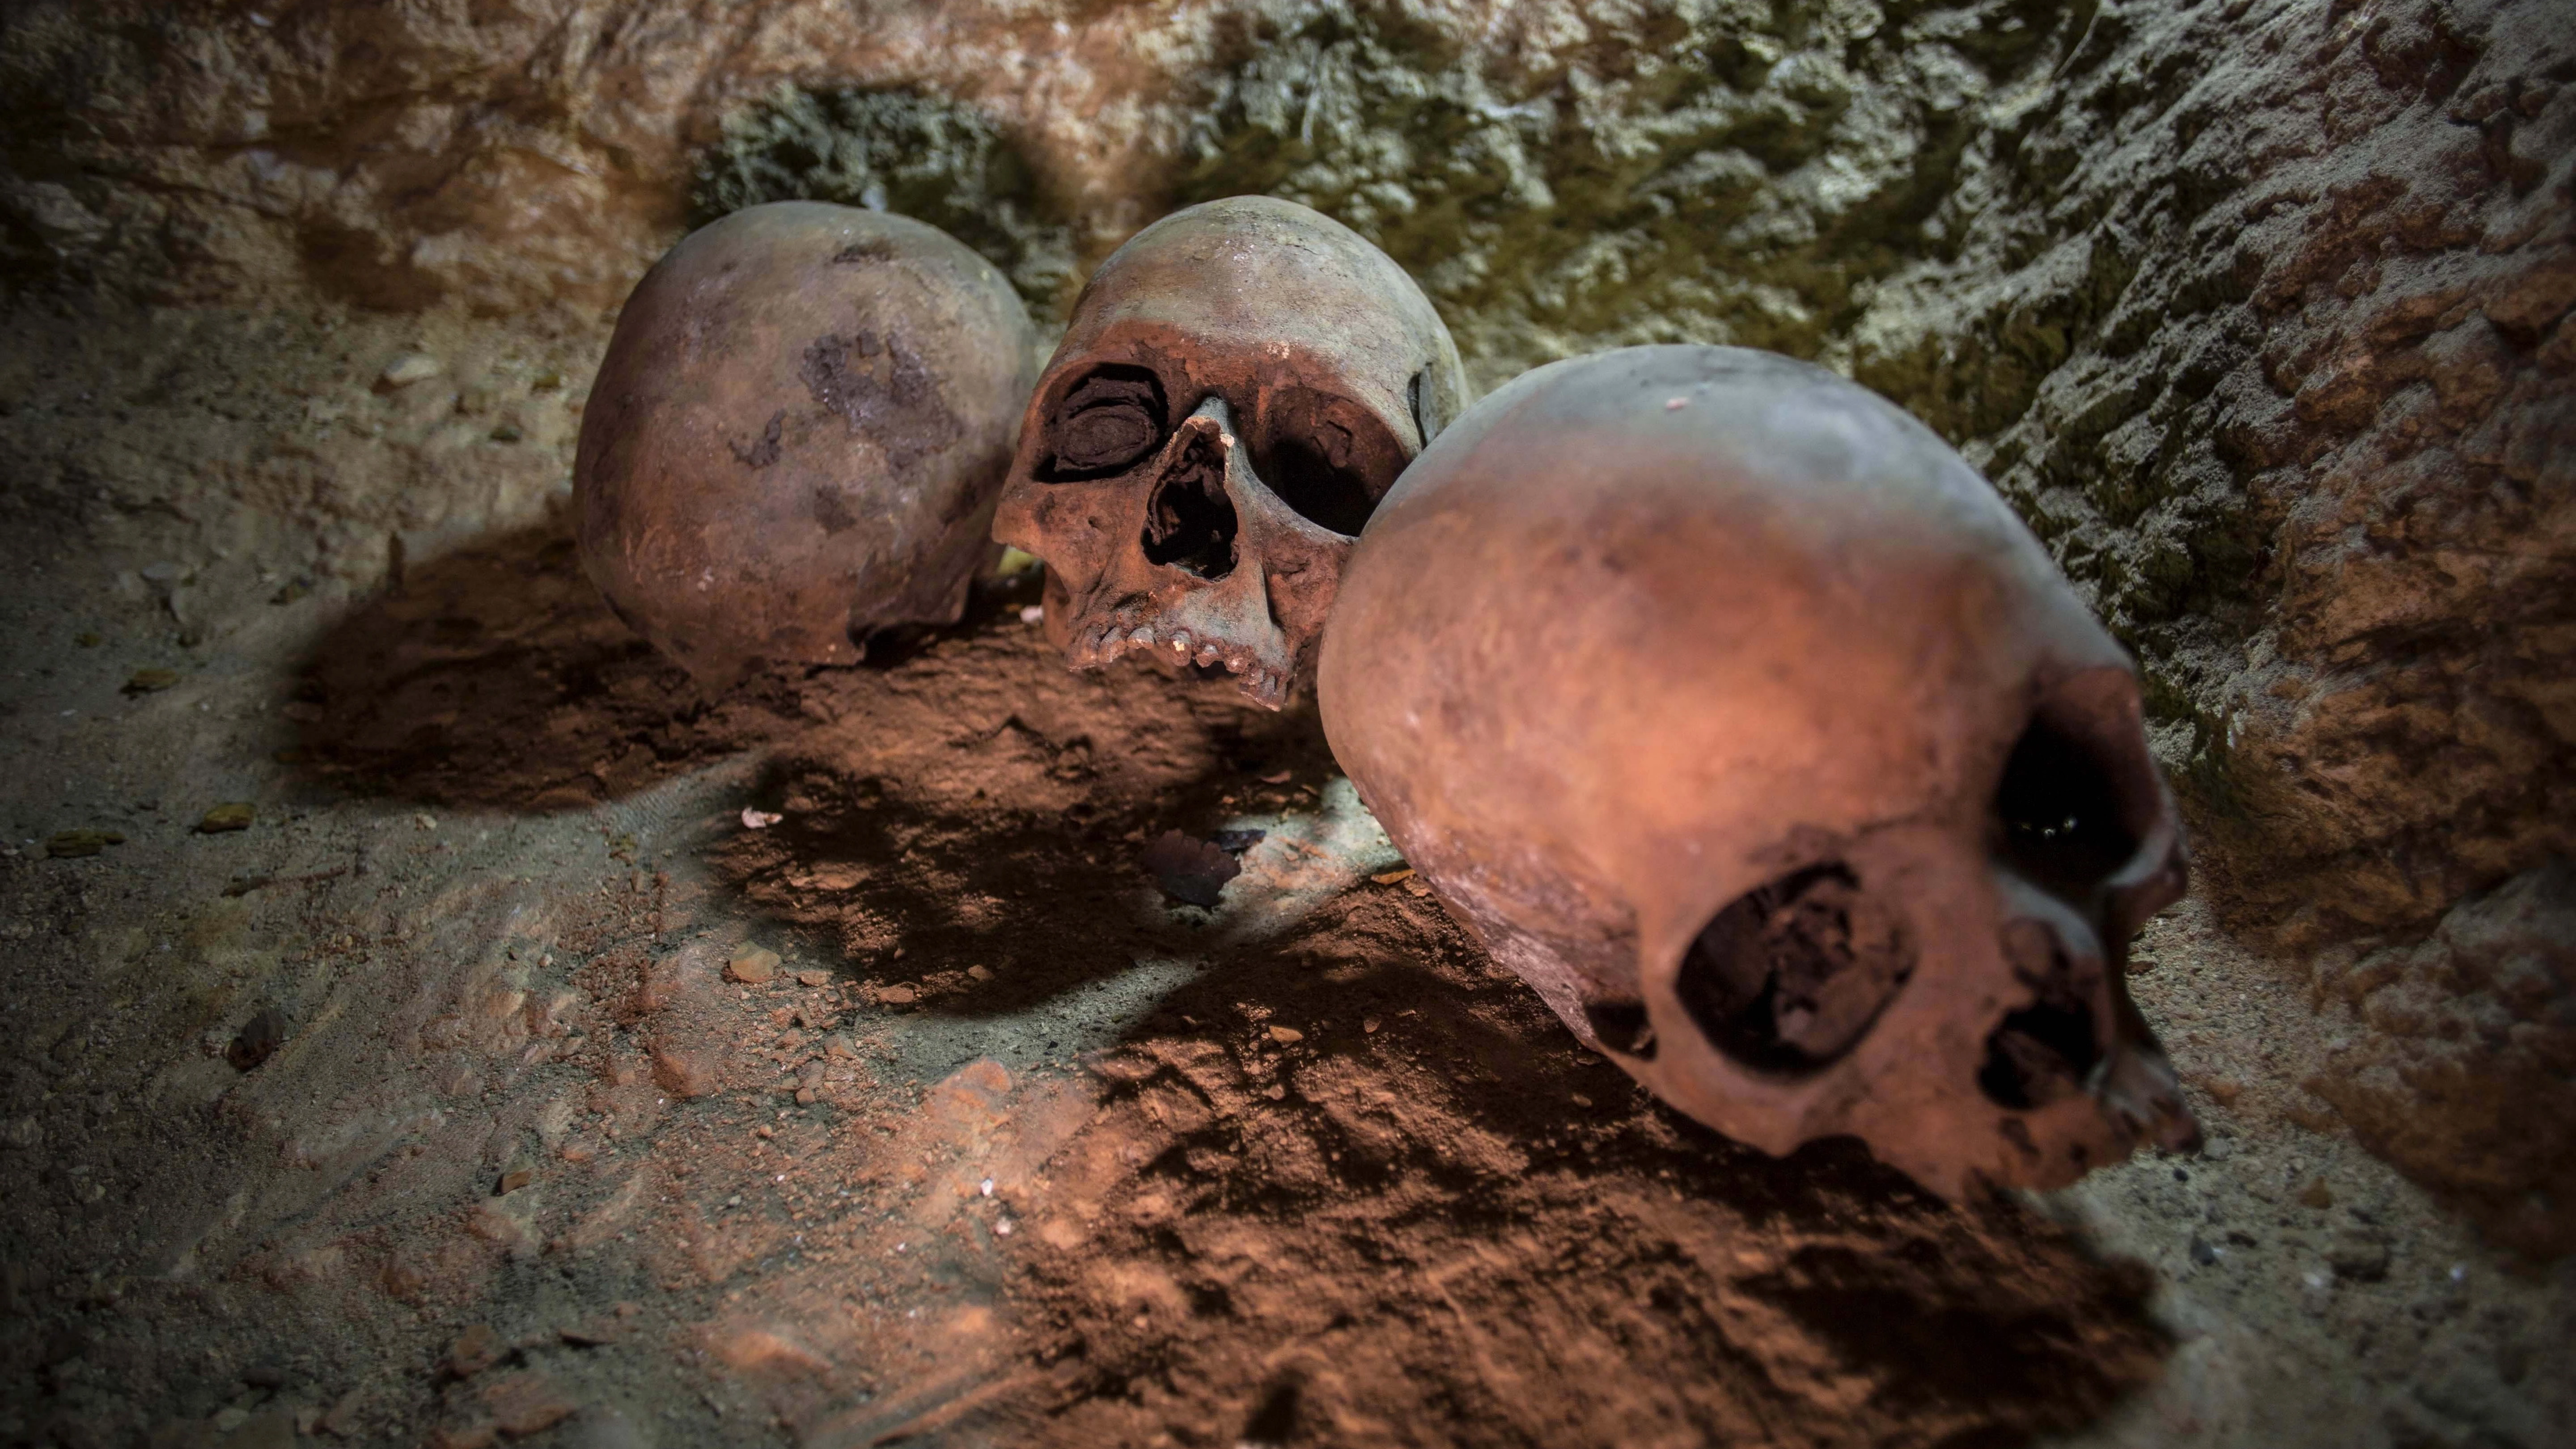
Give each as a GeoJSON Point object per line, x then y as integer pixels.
{"type": "Point", "coordinates": [71, 844]}
{"type": "Point", "coordinates": [1286, 1035]}
{"type": "Point", "coordinates": [752, 965]}
{"type": "Point", "coordinates": [258, 1040]}
{"type": "Point", "coordinates": [814, 976]}
{"type": "Point", "coordinates": [410, 368]}
{"type": "Point", "coordinates": [231, 815]}
{"type": "Point", "coordinates": [151, 681]}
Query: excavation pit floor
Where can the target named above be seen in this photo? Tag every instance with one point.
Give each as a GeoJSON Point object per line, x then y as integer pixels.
{"type": "Point", "coordinates": [434, 1104]}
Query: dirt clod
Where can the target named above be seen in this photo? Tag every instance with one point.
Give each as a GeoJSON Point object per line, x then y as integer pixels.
{"type": "Point", "coordinates": [258, 1040]}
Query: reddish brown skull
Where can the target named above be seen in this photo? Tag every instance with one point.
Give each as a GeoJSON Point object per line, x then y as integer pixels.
{"type": "Point", "coordinates": [1242, 382]}
{"type": "Point", "coordinates": [1732, 710]}
{"type": "Point", "coordinates": [798, 435]}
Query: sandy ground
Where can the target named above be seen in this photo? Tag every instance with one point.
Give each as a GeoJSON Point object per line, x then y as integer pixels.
{"type": "Point", "coordinates": [560, 1056]}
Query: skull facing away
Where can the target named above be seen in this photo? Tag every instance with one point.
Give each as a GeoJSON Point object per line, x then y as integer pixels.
{"type": "Point", "coordinates": [1739, 716]}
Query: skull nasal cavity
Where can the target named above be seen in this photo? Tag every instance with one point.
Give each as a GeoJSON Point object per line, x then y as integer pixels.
{"type": "Point", "coordinates": [2047, 1050]}
{"type": "Point", "coordinates": [1189, 523]}
{"type": "Point", "coordinates": [1107, 422]}
{"type": "Point", "coordinates": [2059, 813]}
{"type": "Point", "coordinates": [1790, 976]}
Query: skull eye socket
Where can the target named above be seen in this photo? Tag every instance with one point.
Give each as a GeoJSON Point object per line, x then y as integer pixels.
{"type": "Point", "coordinates": [1107, 423]}
{"type": "Point", "coordinates": [2062, 816]}
{"type": "Point", "coordinates": [1790, 975]}
{"type": "Point", "coordinates": [1325, 458]}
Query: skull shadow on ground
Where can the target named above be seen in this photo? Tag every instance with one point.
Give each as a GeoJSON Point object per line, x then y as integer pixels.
{"type": "Point", "coordinates": [1358, 1135]}
{"type": "Point", "coordinates": [495, 677]}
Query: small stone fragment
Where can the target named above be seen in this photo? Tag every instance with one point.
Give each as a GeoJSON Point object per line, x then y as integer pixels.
{"type": "Point", "coordinates": [980, 973]}
{"type": "Point", "coordinates": [1189, 870]}
{"type": "Point", "coordinates": [1394, 877]}
{"type": "Point", "coordinates": [1286, 1035]}
{"type": "Point", "coordinates": [151, 681]}
{"type": "Point", "coordinates": [2317, 1195]}
{"type": "Point", "coordinates": [682, 1074]}
{"type": "Point", "coordinates": [507, 433]}
{"type": "Point", "coordinates": [814, 976]}
{"type": "Point", "coordinates": [2204, 1252]}
{"type": "Point", "coordinates": [897, 995]}
{"type": "Point", "coordinates": [514, 1179]}
{"type": "Point", "coordinates": [72, 844]}
{"type": "Point", "coordinates": [474, 1350]}
{"type": "Point", "coordinates": [752, 964]}
{"type": "Point", "coordinates": [345, 1415]}
{"type": "Point", "coordinates": [231, 815]}
{"type": "Point", "coordinates": [410, 368]}
{"type": "Point", "coordinates": [258, 1040]}
{"type": "Point", "coordinates": [2359, 1256]}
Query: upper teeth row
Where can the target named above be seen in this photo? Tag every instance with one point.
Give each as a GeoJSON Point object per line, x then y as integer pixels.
{"type": "Point", "coordinates": [1115, 639]}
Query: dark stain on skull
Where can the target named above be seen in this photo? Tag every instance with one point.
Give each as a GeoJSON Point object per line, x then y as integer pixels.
{"type": "Point", "coordinates": [832, 510]}
{"type": "Point", "coordinates": [1108, 422]}
{"type": "Point", "coordinates": [1790, 975]}
{"type": "Point", "coordinates": [883, 390]}
{"type": "Point", "coordinates": [762, 451]}
{"type": "Point", "coordinates": [1189, 522]}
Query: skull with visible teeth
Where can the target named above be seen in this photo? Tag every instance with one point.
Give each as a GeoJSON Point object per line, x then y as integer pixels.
{"type": "Point", "coordinates": [1734, 712]}
{"type": "Point", "coordinates": [1241, 383]}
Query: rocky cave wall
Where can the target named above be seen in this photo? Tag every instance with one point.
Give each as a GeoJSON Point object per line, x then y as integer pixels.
{"type": "Point", "coordinates": [2257, 309]}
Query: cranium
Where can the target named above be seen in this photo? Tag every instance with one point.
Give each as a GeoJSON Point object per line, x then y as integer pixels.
{"type": "Point", "coordinates": [1739, 716]}
{"type": "Point", "coordinates": [1242, 382]}
{"type": "Point", "coordinates": [797, 435]}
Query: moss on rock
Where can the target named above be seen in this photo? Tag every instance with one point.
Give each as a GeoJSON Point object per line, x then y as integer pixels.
{"type": "Point", "coordinates": [923, 156]}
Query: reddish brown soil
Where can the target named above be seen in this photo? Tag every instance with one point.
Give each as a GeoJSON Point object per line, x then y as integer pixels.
{"type": "Point", "coordinates": [531, 1163]}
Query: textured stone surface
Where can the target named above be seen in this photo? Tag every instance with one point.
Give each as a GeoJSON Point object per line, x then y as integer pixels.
{"type": "Point", "coordinates": [2462, 1077]}
{"type": "Point", "coordinates": [2257, 309]}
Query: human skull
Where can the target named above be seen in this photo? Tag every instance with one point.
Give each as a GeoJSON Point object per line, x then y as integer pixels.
{"type": "Point", "coordinates": [1241, 383]}
{"type": "Point", "coordinates": [798, 435]}
{"type": "Point", "coordinates": [1736, 713]}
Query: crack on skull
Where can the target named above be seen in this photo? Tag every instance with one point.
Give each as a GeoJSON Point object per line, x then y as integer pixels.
{"type": "Point", "coordinates": [1189, 522]}
{"type": "Point", "coordinates": [1790, 975]}
{"type": "Point", "coordinates": [1107, 422]}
